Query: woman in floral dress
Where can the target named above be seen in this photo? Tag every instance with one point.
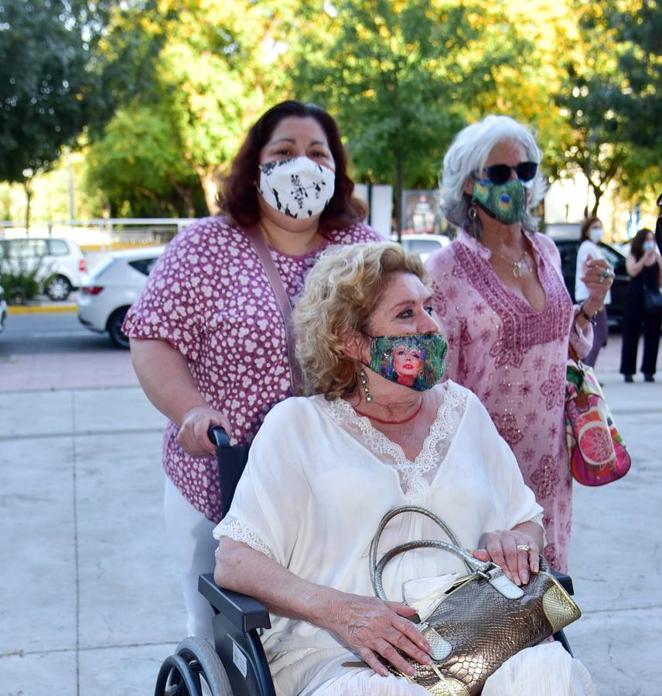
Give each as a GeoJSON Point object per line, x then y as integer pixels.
{"type": "Point", "coordinates": [500, 296]}
{"type": "Point", "coordinates": [208, 340]}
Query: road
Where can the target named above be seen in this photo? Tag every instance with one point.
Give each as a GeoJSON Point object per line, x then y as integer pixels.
{"type": "Point", "coordinates": [54, 351]}
{"type": "Point", "coordinates": [47, 333]}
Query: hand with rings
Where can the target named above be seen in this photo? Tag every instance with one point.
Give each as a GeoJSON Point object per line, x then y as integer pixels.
{"type": "Point", "coordinates": [515, 552]}
{"type": "Point", "coordinates": [598, 278]}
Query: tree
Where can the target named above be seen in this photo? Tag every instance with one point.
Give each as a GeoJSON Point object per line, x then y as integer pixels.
{"type": "Point", "coordinates": [140, 166]}
{"type": "Point", "coordinates": [403, 77]}
{"type": "Point", "coordinates": [611, 97]}
{"type": "Point", "coordinates": [55, 78]}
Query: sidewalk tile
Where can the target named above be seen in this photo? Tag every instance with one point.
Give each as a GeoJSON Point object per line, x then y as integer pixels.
{"type": "Point", "coordinates": [37, 545]}
{"type": "Point", "coordinates": [115, 409]}
{"type": "Point", "coordinates": [23, 414]}
{"type": "Point", "coordinates": [40, 674]}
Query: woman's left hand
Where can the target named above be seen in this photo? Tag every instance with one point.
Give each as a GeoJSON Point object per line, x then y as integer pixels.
{"type": "Point", "coordinates": [515, 552]}
{"type": "Point", "coordinates": [598, 278]}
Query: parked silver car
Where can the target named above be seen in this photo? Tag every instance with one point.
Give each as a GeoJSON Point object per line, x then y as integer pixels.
{"type": "Point", "coordinates": [112, 287]}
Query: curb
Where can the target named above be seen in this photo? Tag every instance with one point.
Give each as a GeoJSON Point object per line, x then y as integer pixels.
{"type": "Point", "coordinates": [42, 309]}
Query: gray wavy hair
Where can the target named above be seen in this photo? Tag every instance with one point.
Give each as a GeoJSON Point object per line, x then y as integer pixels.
{"type": "Point", "coordinates": [469, 152]}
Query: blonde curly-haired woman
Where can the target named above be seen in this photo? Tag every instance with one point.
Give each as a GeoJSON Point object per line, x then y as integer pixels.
{"type": "Point", "coordinates": [325, 468]}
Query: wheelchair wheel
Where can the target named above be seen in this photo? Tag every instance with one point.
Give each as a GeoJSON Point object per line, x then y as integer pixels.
{"type": "Point", "coordinates": [194, 670]}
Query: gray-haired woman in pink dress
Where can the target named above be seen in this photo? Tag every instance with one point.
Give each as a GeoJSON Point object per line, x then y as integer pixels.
{"type": "Point", "coordinates": [500, 296]}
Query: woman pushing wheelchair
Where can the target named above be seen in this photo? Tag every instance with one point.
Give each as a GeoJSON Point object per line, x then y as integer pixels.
{"type": "Point", "coordinates": [324, 469]}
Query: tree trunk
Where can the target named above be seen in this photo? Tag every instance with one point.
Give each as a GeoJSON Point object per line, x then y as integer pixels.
{"type": "Point", "coordinates": [399, 178]}
{"type": "Point", "coordinates": [597, 193]}
{"type": "Point", "coordinates": [27, 187]}
{"type": "Point", "coordinates": [210, 180]}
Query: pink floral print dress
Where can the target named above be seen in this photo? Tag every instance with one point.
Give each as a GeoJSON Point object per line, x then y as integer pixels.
{"type": "Point", "coordinates": [208, 296]}
{"type": "Point", "coordinates": [514, 359]}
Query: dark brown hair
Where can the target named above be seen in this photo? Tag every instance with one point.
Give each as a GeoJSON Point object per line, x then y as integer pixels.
{"type": "Point", "coordinates": [586, 226]}
{"type": "Point", "coordinates": [238, 196]}
{"type": "Point", "coordinates": [637, 245]}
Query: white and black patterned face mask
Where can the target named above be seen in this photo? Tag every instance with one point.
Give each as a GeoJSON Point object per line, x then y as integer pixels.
{"type": "Point", "coordinates": [298, 188]}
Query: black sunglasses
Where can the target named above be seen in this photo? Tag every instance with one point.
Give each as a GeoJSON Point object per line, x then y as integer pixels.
{"type": "Point", "coordinates": [500, 173]}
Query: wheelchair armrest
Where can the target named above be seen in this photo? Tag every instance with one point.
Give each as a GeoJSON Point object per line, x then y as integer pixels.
{"type": "Point", "coordinates": [242, 611]}
{"type": "Point", "coordinates": [565, 581]}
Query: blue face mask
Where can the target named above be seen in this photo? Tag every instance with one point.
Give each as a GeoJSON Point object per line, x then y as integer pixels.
{"type": "Point", "coordinates": [416, 361]}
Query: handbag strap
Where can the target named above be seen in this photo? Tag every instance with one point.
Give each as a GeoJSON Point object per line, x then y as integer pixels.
{"type": "Point", "coordinates": [376, 568]}
{"type": "Point", "coordinates": [256, 236]}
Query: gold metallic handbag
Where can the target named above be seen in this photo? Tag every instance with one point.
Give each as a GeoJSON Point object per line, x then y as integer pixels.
{"type": "Point", "coordinates": [482, 621]}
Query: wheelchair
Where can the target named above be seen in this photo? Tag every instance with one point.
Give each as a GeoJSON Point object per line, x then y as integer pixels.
{"type": "Point", "coordinates": [236, 665]}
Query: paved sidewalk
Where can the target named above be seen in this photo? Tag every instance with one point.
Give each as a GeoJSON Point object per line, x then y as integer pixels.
{"type": "Point", "coordinates": [90, 603]}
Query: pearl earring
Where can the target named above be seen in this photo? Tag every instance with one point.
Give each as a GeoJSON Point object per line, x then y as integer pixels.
{"type": "Point", "coordinates": [364, 383]}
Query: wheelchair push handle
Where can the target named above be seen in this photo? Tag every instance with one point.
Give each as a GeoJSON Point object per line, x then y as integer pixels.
{"type": "Point", "coordinates": [218, 436]}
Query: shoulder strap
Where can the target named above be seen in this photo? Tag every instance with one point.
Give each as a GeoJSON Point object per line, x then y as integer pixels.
{"type": "Point", "coordinates": [256, 237]}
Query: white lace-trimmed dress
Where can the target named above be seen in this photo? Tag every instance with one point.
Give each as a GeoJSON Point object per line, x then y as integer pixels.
{"type": "Point", "coordinates": [318, 481]}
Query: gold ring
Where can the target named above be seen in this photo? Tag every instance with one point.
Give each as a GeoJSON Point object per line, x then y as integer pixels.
{"type": "Point", "coordinates": [523, 547]}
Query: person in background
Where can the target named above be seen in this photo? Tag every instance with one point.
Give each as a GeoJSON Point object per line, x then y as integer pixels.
{"type": "Point", "coordinates": [500, 295]}
{"type": "Point", "coordinates": [590, 234]}
{"type": "Point", "coordinates": [208, 341]}
{"type": "Point", "coordinates": [645, 270]}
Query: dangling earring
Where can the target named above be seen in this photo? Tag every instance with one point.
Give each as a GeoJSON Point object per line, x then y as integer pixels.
{"type": "Point", "coordinates": [474, 220]}
{"type": "Point", "coordinates": [364, 383]}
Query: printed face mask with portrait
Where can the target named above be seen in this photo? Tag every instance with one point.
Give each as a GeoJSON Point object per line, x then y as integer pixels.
{"type": "Point", "coordinates": [416, 361]}
{"type": "Point", "coordinates": [504, 202]}
{"type": "Point", "coordinates": [298, 188]}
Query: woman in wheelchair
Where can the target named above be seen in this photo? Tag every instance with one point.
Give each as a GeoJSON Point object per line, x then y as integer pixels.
{"type": "Point", "coordinates": [325, 468]}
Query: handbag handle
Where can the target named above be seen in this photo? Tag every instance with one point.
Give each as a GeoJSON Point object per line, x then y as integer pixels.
{"type": "Point", "coordinates": [376, 569]}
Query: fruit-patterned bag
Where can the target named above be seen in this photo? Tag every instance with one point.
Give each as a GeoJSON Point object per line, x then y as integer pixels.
{"type": "Point", "coordinates": [596, 449]}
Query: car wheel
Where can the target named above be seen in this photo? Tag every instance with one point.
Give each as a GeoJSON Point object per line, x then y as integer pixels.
{"type": "Point", "coordinates": [117, 337]}
{"type": "Point", "coordinates": [58, 288]}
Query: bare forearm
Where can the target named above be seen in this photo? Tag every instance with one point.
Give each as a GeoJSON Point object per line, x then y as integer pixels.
{"type": "Point", "coordinates": [165, 377]}
{"type": "Point", "coordinates": [242, 569]}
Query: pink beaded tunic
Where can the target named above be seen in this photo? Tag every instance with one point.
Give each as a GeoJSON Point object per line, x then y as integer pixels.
{"type": "Point", "coordinates": [209, 297]}
{"type": "Point", "coordinates": [514, 359]}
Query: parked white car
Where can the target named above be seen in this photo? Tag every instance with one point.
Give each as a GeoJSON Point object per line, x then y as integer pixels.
{"type": "Point", "coordinates": [3, 309]}
{"type": "Point", "coordinates": [112, 287]}
{"type": "Point", "coordinates": [58, 263]}
{"type": "Point", "coordinates": [423, 244]}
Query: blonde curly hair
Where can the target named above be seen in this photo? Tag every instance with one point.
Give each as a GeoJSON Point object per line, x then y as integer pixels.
{"type": "Point", "coordinates": [340, 295]}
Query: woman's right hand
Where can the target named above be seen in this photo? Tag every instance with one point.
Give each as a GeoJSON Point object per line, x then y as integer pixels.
{"type": "Point", "coordinates": [376, 629]}
{"type": "Point", "coordinates": [192, 436]}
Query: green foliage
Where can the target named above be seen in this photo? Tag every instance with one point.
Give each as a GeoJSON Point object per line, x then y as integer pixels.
{"type": "Point", "coordinates": [57, 75]}
{"type": "Point", "coordinates": [612, 97]}
{"type": "Point", "coordinates": [141, 166]}
{"type": "Point", "coordinates": [402, 76]}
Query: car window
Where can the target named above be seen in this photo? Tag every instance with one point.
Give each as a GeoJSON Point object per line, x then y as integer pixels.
{"type": "Point", "coordinates": [58, 247]}
{"type": "Point", "coordinates": [421, 246]}
{"type": "Point", "coordinates": [26, 248]}
{"type": "Point", "coordinates": [144, 266]}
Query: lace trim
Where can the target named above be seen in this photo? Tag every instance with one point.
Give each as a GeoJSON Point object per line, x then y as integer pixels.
{"type": "Point", "coordinates": [232, 528]}
{"type": "Point", "coordinates": [416, 476]}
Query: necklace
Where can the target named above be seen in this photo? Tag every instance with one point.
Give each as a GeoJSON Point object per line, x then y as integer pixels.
{"type": "Point", "coordinates": [520, 267]}
{"type": "Point", "coordinates": [392, 422]}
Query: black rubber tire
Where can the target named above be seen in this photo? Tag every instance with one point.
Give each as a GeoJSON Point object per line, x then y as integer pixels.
{"type": "Point", "coordinates": [58, 288]}
{"type": "Point", "coordinates": [114, 326]}
{"type": "Point", "coordinates": [195, 663]}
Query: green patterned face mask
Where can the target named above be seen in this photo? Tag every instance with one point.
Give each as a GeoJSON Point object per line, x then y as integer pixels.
{"type": "Point", "coordinates": [416, 361]}
{"type": "Point", "coordinates": [504, 202]}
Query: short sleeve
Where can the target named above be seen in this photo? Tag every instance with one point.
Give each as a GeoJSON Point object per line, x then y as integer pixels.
{"type": "Point", "coordinates": [167, 307]}
{"type": "Point", "coordinates": [273, 493]}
